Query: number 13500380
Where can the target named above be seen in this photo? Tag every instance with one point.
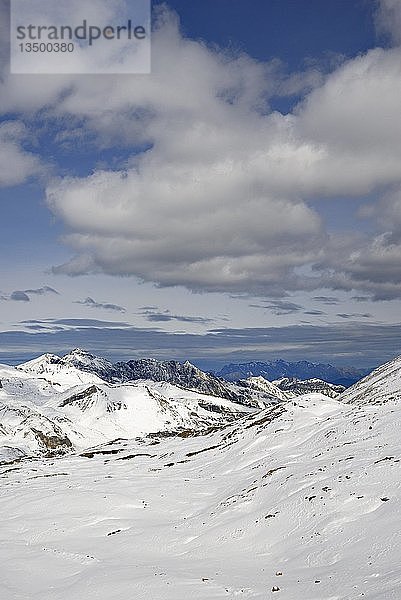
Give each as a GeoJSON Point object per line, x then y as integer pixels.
{"type": "Point", "coordinates": [46, 47]}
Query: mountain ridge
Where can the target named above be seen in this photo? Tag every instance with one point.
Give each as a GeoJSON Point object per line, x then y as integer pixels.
{"type": "Point", "coordinates": [378, 387]}
{"type": "Point", "coordinates": [184, 374]}
{"type": "Point", "coordinates": [279, 368]}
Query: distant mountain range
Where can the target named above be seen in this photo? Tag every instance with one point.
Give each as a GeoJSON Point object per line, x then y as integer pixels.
{"type": "Point", "coordinates": [54, 404]}
{"type": "Point", "coordinates": [184, 375]}
{"type": "Point", "coordinates": [277, 369]}
{"type": "Point", "coordinates": [189, 375]}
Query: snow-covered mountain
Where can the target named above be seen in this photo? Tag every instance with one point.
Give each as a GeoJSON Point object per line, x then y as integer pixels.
{"type": "Point", "coordinates": [182, 374]}
{"type": "Point", "coordinates": [85, 361]}
{"type": "Point", "coordinates": [48, 406]}
{"type": "Point", "coordinates": [382, 385]}
{"type": "Point", "coordinates": [81, 366]}
{"type": "Point", "coordinates": [277, 369]}
{"type": "Point", "coordinates": [266, 387]}
{"type": "Point", "coordinates": [61, 371]}
{"type": "Point", "coordinates": [290, 387]}
{"type": "Point", "coordinates": [55, 404]}
{"type": "Point", "coordinates": [297, 387]}
{"type": "Point", "coordinates": [299, 500]}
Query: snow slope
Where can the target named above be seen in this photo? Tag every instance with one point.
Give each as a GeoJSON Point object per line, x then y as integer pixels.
{"type": "Point", "coordinates": [299, 501]}
{"type": "Point", "coordinates": [207, 499]}
{"type": "Point", "coordinates": [382, 385]}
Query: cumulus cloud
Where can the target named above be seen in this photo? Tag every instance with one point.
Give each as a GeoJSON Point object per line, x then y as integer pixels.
{"type": "Point", "coordinates": [214, 217]}
{"type": "Point", "coordinates": [234, 174]}
{"type": "Point", "coordinates": [185, 235]}
{"type": "Point", "coordinates": [219, 200]}
{"type": "Point", "coordinates": [354, 116]}
{"type": "Point", "coordinates": [369, 265]}
{"type": "Point", "coordinates": [91, 303]}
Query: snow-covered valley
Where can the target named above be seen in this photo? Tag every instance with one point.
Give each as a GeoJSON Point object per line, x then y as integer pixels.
{"type": "Point", "coordinates": [297, 498]}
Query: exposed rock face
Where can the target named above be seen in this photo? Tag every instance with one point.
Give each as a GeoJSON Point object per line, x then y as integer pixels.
{"type": "Point", "coordinates": [185, 375]}
{"type": "Point", "coordinates": [296, 387]}
{"type": "Point", "coordinates": [53, 442]}
{"type": "Point", "coordinates": [80, 396]}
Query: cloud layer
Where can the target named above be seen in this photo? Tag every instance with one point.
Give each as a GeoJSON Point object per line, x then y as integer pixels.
{"type": "Point", "coordinates": [356, 344]}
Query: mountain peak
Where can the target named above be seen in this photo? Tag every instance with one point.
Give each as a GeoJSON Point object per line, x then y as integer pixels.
{"type": "Point", "coordinates": [77, 352]}
{"type": "Point", "coordinates": [41, 361]}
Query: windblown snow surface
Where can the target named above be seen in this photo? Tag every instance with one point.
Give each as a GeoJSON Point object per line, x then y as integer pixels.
{"type": "Point", "coordinates": [300, 500]}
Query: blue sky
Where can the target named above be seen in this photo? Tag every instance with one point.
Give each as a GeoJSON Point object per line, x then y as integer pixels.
{"type": "Point", "coordinates": [243, 201]}
{"type": "Point", "coordinates": [291, 30]}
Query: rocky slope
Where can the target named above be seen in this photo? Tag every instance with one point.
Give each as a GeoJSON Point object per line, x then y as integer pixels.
{"type": "Point", "coordinates": [297, 387]}
{"type": "Point", "coordinates": [266, 387]}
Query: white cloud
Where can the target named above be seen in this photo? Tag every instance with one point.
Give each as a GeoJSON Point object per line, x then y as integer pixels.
{"type": "Point", "coordinates": [16, 164]}
{"type": "Point", "coordinates": [388, 19]}
{"type": "Point", "coordinates": [216, 232]}
{"type": "Point", "coordinates": [355, 113]}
